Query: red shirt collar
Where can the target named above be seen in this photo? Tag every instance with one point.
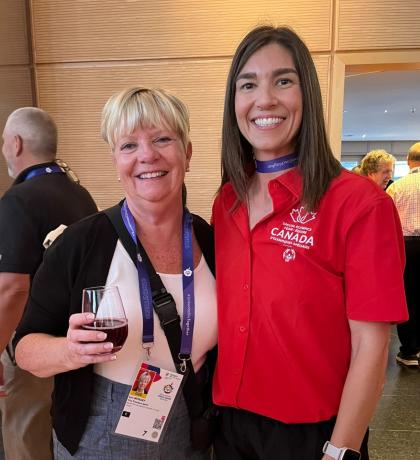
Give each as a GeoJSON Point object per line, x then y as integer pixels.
{"type": "Point", "coordinates": [292, 181]}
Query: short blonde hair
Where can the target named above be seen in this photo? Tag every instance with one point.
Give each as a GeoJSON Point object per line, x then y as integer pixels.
{"type": "Point", "coordinates": [371, 161]}
{"type": "Point", "coordinates": [142, 107]}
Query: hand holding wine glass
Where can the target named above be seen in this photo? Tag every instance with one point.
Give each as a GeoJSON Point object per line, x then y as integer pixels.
{"type": "Point", "coordinates": [105, 303]}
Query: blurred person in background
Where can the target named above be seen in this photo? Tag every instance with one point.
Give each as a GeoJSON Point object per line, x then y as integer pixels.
{"type": "Point", "coordinates": [406, 195]}
{"type": "Point", "coordinates": [44, 196]}
{"type": "Point", "coordinates": [378, 165]}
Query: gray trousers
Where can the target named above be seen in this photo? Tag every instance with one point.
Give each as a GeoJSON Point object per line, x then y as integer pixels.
{"type": "Point", "coordinates": [25, 414]}
{"type": "Point", "coordinates": [99, 441]}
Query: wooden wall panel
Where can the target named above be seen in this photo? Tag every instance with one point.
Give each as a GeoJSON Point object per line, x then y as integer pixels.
{"type": "Point", "coordinates": [75, 94]}
{"type": "Point", "coordinates": [322, 63]}
{"type": "Point", "coordinates": [13, 32]}
{"type": "Point", "coordinates": [15, 92]}
{"type": "Point", "coordinates": [100, 30]}
{"type": "Point", "coordinates": [378, 24]}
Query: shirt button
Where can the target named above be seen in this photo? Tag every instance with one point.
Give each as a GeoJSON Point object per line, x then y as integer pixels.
{"type": "Point", "coordinates": [242, 329]}
{"type": "Point", "coordinates": [245, 287]}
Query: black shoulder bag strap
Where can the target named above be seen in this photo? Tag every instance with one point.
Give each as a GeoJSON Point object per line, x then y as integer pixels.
{"type": "Point", "coordinates": [165, 307]}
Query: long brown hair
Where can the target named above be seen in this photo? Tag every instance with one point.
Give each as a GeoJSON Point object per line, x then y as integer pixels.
{"type": "Point", "coordinates": [317, 164]}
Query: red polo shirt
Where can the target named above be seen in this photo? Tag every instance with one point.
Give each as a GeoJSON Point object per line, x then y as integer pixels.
{"type": "Point", "coordinates": [287, 289]}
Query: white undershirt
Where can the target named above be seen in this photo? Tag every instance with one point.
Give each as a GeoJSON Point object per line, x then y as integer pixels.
{"type": "Point", "coordinates": [123, 274]}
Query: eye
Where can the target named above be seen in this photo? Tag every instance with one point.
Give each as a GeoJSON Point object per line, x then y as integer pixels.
{"type": "Point", "coordinates": [247, 86]}
{"type": "Point", "coordinates": [284, 82]}
{"type": "Point", "coordinates": [127, 146]}
{"type": "Point", "coordinates": [162, 140]}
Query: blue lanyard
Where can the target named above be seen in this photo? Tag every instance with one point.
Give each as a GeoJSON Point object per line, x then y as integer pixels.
{"type": "Point", "coordinates": [43, 170]}
{"type": "Point", "coordinates": [278, 164]}
{"type": "Point", "coordinates": [146, 299]}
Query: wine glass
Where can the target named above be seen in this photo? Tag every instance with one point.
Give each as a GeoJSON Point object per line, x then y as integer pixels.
{"type": "Point", "coordinates": [106, 304]}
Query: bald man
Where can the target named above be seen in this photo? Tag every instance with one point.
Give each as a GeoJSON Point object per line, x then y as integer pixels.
{"type": "Point", "coordinates": [43, 196]}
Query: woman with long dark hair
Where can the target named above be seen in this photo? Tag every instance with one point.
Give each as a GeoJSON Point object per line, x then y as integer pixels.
{"type": "Point", "coordinates": [309, 260]}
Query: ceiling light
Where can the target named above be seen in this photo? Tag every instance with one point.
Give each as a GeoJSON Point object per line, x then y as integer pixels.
{"type": "Point", "coordinates": [363, 136]}
{"type": "Point", "coordinates": [386, 111]}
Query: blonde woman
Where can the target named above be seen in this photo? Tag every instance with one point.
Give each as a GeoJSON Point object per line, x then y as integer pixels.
{"type": "Point", "coordinates": [148, 132]}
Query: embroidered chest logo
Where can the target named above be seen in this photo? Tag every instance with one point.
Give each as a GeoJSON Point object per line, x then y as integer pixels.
{"type": "Point", "coordinates": [300, 216]}
{"type": "Point", "coordinates": [296, 233]}
{"type": "Point", "coordinates": [289, 255]}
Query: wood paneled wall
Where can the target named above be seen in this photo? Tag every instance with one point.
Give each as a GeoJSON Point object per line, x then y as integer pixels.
{"type": "Point", "coordinates": [378, 24]}
{"type": "Point", "coordinates": [85, 50]}
{"type": "Point", "coordinates": [15, 71]}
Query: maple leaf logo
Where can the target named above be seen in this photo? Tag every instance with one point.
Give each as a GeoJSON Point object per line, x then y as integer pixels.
{"type": "Point", "coordinates": [300, 216]}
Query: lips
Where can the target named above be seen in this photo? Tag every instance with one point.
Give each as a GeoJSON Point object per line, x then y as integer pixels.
{"type": "Point", "coordinates": [265, 122]}
{"type": "Point", "coordinates": [152, 174]}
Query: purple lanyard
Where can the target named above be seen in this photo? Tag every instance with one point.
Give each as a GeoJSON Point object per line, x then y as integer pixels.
{"type": "Point", "coordinates": [187, 284]}
{"type": "Point", "coordinates": [43, 170]}
{"type": "Point", "coordinates": [278, 164]}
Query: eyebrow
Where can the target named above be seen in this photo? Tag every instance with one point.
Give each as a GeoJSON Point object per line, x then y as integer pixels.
{"type": "Point", "coordinates": [275, 73]}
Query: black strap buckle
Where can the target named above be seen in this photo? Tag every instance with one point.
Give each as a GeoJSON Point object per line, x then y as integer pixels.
{"type": "Point", "coordinates": [165, 307]}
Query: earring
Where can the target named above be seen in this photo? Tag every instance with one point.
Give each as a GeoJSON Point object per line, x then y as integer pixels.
{"type": "Point", "coordinates": [119, 179]}
{"type": "Point", "coordinates": [187, 169]}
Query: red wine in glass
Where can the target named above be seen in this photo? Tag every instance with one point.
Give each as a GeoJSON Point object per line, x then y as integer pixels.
{"type": "Point", "coordinates": [116, 330]}
{"type": "Point", "coordinates": [106, 304]}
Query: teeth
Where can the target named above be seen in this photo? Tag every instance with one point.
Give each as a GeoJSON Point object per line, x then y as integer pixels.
{"type": "Point", "coordinates": [267, 121]}
{"type": "Point", "coordinates": [152, 175]}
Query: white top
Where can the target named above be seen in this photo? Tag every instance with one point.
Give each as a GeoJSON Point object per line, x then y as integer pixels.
{"type": "Point", "coordinates": [123, 274]}
{"type": "Point", "coordinates": [406, 195]}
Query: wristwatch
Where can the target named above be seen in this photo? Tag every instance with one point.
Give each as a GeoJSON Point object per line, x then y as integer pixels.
{"type": "Point", "coordinates": [340, 453]}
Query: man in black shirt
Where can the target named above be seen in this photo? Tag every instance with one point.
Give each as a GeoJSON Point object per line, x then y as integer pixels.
{"type": "Point", "coordinates": [43, 196]}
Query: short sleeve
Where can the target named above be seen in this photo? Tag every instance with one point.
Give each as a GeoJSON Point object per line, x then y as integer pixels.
{"type": "Point", "coordinates": [374, 267]}
{"type": "Point", "coordinates": [20, 247]}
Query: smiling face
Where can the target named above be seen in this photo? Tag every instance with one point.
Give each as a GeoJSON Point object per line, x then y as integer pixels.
{"type": "Point", "coordinates": [151, 163]}
{"type": "Point", "coordinates": [268, 102]}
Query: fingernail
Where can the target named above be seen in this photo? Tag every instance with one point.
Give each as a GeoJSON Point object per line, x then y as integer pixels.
{"type": "Point", "coordinates": [101, 335]}
{"type": "Point", "coordinates": [108, 346]}
{"type": "Point", "coordinates": [90, 316]}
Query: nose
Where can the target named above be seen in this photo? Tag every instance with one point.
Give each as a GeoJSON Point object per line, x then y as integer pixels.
{"type": "Point", "coordinates": [266, 97]}
{"type": "Point", "coordinates": [147, 153]}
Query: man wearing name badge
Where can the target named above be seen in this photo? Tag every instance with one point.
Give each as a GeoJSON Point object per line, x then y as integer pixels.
{"type": "Point", "coordinates": [406, 195]}
{"type": "Point", "coordinates": [44, 195]}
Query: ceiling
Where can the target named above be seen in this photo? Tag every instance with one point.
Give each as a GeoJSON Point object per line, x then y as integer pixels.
{"type": "Point", "coordinates": [382, 106]}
